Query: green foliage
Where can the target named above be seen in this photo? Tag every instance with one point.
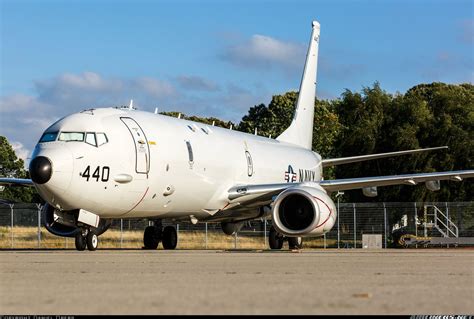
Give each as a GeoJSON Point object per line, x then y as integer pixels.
{"type": "Point", "coordinates": [427, 115]}
{"type": "Point", "coordinates": [11, 166]}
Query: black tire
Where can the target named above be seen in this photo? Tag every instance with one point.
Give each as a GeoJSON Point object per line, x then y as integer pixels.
{"type": "Point", "coordinates": [80, 242]}
{"type": "Point", "coordinates": [151, 237]}
{"type": "Point", "coordinates": [170, 237]}
{"type": "Point", "coordinates": [275, 239]}
{"type": "Point", "coordinates": [92, 241]}
{"type": "Point", "coordinates": [295, 242]}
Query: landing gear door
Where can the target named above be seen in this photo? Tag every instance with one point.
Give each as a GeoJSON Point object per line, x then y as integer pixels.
{"type": "Point", "coordinates": [142, 149]}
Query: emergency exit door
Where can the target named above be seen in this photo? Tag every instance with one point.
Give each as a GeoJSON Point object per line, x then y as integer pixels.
{"type": "Point", "coordinates": [142, 150]}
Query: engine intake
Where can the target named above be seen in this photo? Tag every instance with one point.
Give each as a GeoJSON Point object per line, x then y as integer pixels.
{"type": "Point", "coordinates": [303, 211]}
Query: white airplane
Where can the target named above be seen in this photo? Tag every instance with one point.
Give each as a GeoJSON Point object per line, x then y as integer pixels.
{"type": "Point", "coordinates": [108, 163]}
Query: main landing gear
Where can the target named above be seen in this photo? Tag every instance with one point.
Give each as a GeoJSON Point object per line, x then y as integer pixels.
{"type": "Point", "coordinates": [276, 240]}
{"type": "Point", "coordinates": [156, 233]}
{"type": "Point", "coordinates": [87, 238]}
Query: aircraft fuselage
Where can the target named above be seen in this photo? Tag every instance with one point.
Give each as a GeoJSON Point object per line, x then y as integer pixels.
{"type": "Point", "coordinates": [153, 165]}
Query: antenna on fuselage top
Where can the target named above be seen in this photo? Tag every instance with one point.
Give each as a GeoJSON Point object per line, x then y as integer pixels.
{"type": "Point", "coordinates": [179, 115]}
{"type": "Point", "coordinates": [156, 110]}
{"type": "Point", "coordinates": [213, 123]}
{"type": "Point", "coordinates": [131, 105]}
{"type": "Point", "coordinates": [255, 131]}
{"type": "Point", "coordinates": [230, 128]}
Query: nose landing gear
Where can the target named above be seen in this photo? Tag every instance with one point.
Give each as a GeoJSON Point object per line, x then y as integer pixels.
{"type": "Point", "coordinates": [87, 238]}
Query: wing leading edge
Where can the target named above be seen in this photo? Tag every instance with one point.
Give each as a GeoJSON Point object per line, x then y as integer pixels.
{"type": "Point", "coordinates": [10, 181]}
{"type": "Point", "coordinates": [408, 179]}
{"type": "Point", "coordinates": [246, 194]}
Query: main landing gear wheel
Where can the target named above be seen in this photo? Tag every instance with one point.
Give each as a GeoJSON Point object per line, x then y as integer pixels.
{"type": "Point", "coordinates": [170, 237]}
{"type": "Point", "coordinates": [151, 237]}
{"type": "Point", "coordinates": [80, 242]}
{"type": "Point", "coordinates": [295, 242]}
{"type": "Point", "coordinates": [275, 239]}
{"type": "Point", "coordinates": [92, 241]}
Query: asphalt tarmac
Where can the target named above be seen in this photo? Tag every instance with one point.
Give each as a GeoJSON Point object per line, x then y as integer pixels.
{"type": "Point", "coordinates": [66, 282]}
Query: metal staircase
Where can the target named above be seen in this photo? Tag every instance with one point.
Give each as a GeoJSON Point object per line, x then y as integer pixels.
{"type": "Point", "coordinates": [435, 218]}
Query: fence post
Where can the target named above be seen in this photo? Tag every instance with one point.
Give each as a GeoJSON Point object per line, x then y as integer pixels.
{"type": "Point", "coordinates": [121, 233]}
{"type": "Point", "coordinates": [416, 226]}
{"type": "Point", "coordinates": [385, 224]}
{"type": "Point", "coordinates": [447, 222]}
{"type": "Point", "coordinates": [39, 224]}
{"type": "Point", "coordinates": [264, 233]}
{"type": "Point", "coordinates": [206, 235]}
{"type": "Point", "coordinates": [338, 233]}
{"type": "Point", "coordinates": [355, 232]}
{"type": "Point", "coordinates": [235, 240]}
{"type": "Point", "coordinates": [11, 214]}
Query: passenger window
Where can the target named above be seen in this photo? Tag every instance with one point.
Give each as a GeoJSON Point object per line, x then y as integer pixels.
{"type": "Point", "coordinates": [101, 139]}
{"type": "Point", "coordinates": [90, 139]}
{"type": "Point", "coordinates": [71, 136]}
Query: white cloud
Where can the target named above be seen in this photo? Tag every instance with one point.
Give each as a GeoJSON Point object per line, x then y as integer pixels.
{"type": "Point", "coordinates": [21, 151]}
{"type": "Point", "coordinates": [197, 83]}
{"type": "Point", "coordinates": [154, 87]}
{"type": "Point", "coordinates": [23, 117]}
{"type": "Point", "coordinates": [264, 51]}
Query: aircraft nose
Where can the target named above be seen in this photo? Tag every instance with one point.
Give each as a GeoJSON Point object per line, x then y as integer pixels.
{"type": "Point", "coordinates": [40, 170]}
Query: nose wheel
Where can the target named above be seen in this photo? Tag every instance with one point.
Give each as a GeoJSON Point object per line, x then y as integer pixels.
{"type": "Point", "coordinates": [87, 238]}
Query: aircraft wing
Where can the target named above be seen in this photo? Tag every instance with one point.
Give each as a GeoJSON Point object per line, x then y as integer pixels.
{"type": "Point", "coordinates": [408, 179]}
{"type": "Point", "coordinates": [361, 158]}
{"type": "Point", "coordinates": [10, 181]}
{"type": "Point", "coordinates": [249, 194]}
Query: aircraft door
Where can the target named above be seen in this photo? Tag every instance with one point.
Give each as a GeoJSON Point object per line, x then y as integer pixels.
{"type": "Point", "coordinates": [142, 149]}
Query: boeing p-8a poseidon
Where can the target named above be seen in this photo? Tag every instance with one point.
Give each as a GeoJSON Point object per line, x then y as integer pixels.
{"type": "Point", "coordinates": [100, 164]}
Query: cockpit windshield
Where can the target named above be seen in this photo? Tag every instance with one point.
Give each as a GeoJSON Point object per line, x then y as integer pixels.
{"type": "Point", "coordinates": [71, 136]}
{"type": "Point", "coordinates": [49, 137]}
{"type": "Point", "coordinates": [92, 138]}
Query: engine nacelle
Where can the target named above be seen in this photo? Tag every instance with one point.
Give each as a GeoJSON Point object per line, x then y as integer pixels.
{"type": "Point", "coordinates": [64, 224]}
{"type": "Point", "coordinates": [305, 210]}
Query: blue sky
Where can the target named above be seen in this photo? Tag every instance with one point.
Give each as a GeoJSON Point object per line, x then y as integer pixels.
{"type": "Point", "coordinates": [215, 58]}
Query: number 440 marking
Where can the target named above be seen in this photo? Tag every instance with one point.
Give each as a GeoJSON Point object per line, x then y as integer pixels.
{"type": "Point", "coordinates": [103, 174]}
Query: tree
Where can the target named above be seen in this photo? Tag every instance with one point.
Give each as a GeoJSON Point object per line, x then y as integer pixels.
{"type": "Point", "coordinates": [12, 166]}
{"type": "Point", "coordinates": [274, 119]}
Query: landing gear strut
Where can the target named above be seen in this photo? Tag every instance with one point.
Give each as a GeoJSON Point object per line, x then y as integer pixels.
{"type": "Point", "coordinates": [156, 233]}
{"type": "Point", "coordinates": [87, 238]}
{"type": "Point", "coordinates": [276, 240]}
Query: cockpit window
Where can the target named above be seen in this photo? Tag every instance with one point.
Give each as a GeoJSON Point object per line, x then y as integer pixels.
{"type": "Point", "coordinates": [71, 136]}
{"type": "Point", "coordinates": [90, 139]}
{"type": "Point", "coordinates": [101, 139]}
{"type": "Point", "coordinates": [48, 137]}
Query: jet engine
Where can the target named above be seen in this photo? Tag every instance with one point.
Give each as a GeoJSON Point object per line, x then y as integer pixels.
{"type": "Point", "coordinates": [305, 210]}
{"type": "Point", "coordinates": [64, 223]}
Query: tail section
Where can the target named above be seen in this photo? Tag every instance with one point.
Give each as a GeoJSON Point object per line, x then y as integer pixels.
{"type": "Point", "coordinates": [300, 131]}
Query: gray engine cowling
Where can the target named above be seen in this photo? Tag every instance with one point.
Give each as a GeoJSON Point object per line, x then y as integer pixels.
{"type": "Point", "coordinates": [304, 211]}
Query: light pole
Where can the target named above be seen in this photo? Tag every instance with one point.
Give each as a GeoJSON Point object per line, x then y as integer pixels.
{"type": "Point", "coordinates": [339, 193]}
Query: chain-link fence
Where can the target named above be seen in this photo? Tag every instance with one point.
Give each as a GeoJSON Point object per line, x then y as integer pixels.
{"type": "Point", "coordinates": [21, 227]}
